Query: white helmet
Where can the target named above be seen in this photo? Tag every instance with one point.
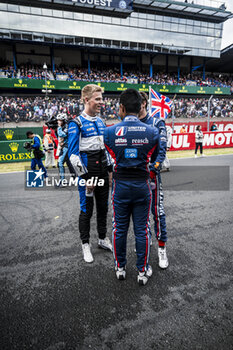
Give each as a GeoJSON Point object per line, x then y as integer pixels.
{"type": "Point", "coordinates": [62, 116]}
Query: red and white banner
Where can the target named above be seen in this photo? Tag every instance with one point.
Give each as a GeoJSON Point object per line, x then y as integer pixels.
{"type": "Point", "coordinates": [217, 139]}
{"type": "Point", "coordinates": [191, 126]}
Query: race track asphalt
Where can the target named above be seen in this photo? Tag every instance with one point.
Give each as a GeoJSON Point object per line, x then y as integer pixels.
{"type": "Point", "coordinates": [51, 300]}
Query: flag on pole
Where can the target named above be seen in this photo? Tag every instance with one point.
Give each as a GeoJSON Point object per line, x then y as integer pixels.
{"type": "Point", "coordinates": [160, 105]}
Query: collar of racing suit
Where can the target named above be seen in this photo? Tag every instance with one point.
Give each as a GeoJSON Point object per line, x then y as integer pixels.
{"type": "Point", "coordinates": [143, 120]}
{"type": "Point", "coordinates": [130, 118]}
{"type": "Point", "coordinates": [88, 117]}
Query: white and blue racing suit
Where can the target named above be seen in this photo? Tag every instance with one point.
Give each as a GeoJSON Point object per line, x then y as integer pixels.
{"type": "Point", "coordinates": [90, 159]}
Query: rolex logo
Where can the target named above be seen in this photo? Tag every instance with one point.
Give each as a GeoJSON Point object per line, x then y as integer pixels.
{"type": "Point", "coordinates": [74, 83]}
{"type": "Point", "coordinates": [122, 85]}
{"type": "Point", "coordinates": [9, 134]}
{"type": "Point", "coordinates": [164, 86]}
{"type": "Point", "coordinates": [201, 88]}
{"type": "Point", "coordinates": [99, 84]}
{"type": "Point", "coordinates": [48, 82]}
{"type": "Point", "coordinates": [14, 146]}
{"type": "Point", "coordinates": [20, 81]}
{"type": "Point", "coordinates": [143, 86]}
{"type": "Point", "coordinates": [183, 87]}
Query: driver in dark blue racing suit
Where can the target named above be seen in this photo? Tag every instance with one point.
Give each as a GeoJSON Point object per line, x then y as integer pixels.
{"type": "Point", "coordinates": [131, 144]}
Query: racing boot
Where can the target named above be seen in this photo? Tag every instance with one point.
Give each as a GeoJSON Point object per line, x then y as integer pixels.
{"type": "Point", "coordinates": [120, 273]}
{"type": "Point", "coordinates": [144, 276]}
{"type": "Point", "coordinates": [105, 243]}
{"type": "Point", "coordinates": [163, 260]}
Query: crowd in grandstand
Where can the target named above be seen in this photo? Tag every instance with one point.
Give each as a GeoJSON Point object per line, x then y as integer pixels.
{"type": "Point", "coordinates": [78, 74]}
{"type": "Point", "coordinates": [41, 109]}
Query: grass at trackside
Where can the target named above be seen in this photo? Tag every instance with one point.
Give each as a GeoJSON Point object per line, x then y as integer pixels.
{"type": "Point", "coordinates": [20, 166]}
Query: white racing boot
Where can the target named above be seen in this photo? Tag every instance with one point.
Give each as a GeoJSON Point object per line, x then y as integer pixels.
{"type": "Point", "coordinates": [87, 256]}
{"type": "Point", "coordinates": [163, 260]}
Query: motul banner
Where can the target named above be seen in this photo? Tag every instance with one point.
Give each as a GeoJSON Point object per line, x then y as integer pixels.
{"type": "Point", "coordinates": [182, 142]}
{"type": "Point", "coordinates": [191, 126]}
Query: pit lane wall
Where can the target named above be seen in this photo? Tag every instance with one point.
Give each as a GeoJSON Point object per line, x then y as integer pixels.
{"type": "Point", "coordinates": [186, 141]}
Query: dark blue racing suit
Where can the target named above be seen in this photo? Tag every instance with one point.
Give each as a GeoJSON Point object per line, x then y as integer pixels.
{"type": "Point", "coordinates": [157, 189]}
{"type": "Point", "coordinates": [89, 158]}
{"type": "Point", "coordinates": [131, 144]}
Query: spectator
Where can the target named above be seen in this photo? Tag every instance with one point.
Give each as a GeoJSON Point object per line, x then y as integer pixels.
{"type": "Point", "coordinates": [214, 127]}
{"type": "Point", "coordinates": [183, 129]}
{"type": "Point", "coordinates": [199, 140]}
{"type": "Point", "coordinates": [49, 145]}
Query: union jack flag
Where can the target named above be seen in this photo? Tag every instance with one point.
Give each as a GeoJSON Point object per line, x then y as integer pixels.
{"type": "Point", "coordinates": [160, 105]}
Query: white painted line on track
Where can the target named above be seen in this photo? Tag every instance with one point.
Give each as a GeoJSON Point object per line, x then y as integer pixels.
{"type": "Point", "coordinates": [12, 172]}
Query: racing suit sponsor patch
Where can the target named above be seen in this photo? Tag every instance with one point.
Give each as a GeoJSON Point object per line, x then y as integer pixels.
{"type": "Point", "coordinates": [131, 153]}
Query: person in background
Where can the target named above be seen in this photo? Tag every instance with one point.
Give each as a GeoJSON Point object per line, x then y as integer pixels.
{"type": "Point", "coordinates": [166, 162]}
{"type": "Point", "coordinates": [49, 146]}
{"type": "Point", "coordinates": [157, 159]}
{"type": "Point", "coordinates": [214, 127]}
{"type": "Point", "coordinates": [36, 151]}
{"type": "Point", "coordinates": [199, 140]}
{"type": "Point", "coordinates": [183, 129]}
{"type": "Point", "coordinates": [62, 132]}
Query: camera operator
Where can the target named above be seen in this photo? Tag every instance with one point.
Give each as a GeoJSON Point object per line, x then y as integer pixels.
{"type": "Point", "coordinates": [36, 148]}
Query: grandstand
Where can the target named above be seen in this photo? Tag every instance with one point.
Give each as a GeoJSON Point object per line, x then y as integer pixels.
{"type": "Point", "coordinates": [179, 41]}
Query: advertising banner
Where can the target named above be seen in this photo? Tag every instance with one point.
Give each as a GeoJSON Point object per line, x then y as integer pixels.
{"type": "Point", "coordinates": [121, 4]}
{"type": "Point", "coordinates": [182, 142]}
{"type": "Point", "coordinates": [109, 87]}
{"type": "Point", "coordinates": [191, 126]}
{"type": "Point", "coordinates": [13, 151]}
{"type": "Point", "coordinates": [18, 133]}
{"type": "Point", "coordinates": [11, 143]}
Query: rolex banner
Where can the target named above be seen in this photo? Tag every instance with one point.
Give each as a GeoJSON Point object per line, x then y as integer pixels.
{"type": "Point", "coordinates": [76, 86]}
{"type": "Point", "coordinates": [11, 144]}
{"type": "Point", "coordinates": [18, 133]}
{"type": "Point", "coordinates": [13, 151]}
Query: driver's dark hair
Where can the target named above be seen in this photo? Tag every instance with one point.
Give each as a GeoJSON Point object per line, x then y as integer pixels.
{"type": "Point", "coordinates": [29, 133]}
{"type": "Point", "coordinates": [144, 97]}
{"type": "Point", "coordinates": [131, 100]}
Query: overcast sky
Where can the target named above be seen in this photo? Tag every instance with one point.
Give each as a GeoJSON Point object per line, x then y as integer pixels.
{"type": "Point", "coordinates": [227, 38]}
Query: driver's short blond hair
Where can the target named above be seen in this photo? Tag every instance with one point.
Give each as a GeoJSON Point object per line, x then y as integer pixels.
{"type": "Point", "coordinates": [89, 90]}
